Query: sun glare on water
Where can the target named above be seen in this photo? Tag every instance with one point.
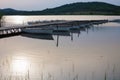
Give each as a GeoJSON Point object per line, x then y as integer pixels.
{"type": "Point", "coordinates": [19, 19]}
{"type": "Point", "coordinates": [20, 65]}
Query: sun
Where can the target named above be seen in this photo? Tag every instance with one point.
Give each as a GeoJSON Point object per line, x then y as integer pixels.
{"type": "Point", "coordinates": [20, 65]}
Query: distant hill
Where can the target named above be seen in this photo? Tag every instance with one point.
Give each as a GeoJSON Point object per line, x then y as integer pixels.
{"type": "Point", "coordinates": [85, 8]}
{"type": "Point", "coordinates": [9, 11]}
{"type": "Point", "coordinates": [79, 8]}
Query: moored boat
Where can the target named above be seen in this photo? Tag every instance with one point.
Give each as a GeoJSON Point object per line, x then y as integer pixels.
{"type": "Point", "coordinates": [37, 31]}
{"type": "Point", "coordinates": [40, 36]}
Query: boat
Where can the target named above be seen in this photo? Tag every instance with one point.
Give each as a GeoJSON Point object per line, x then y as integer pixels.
{"type": "Point", "coordinates": [74, 28]}
{"type": "Point", "coordinates": [37, 31]}
{"type": "Point", "coordinates": [38, 36]}
{"type": "Point", "coordinates": [61, 31]}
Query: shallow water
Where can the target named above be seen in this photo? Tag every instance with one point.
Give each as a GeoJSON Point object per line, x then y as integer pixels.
{"type": "Point", "coordinates": [88, 55]}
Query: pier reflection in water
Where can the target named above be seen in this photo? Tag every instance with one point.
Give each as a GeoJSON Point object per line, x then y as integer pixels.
{"type": "Point", "coordinates": [56, 34]}
{"type": "Point", "coordinates": [83, 54]}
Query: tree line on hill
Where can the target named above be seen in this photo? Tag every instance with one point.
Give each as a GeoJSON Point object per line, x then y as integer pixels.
{"type": "Point", "coordinates": [79, 8]}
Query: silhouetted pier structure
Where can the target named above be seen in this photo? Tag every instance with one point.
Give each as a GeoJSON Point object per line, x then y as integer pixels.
{"type": "Point", "coordinates": [10, 31]}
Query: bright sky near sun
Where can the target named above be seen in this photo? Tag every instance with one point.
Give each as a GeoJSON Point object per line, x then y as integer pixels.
{"type": "Point", "coordinates": [43, 4]}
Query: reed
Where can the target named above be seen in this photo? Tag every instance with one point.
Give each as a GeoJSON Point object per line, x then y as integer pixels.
{"type": "Point", "coordinates": [105, 77]}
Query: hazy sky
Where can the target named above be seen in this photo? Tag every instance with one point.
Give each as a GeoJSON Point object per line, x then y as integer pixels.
{"type": "Point", "coordinates": [43, 4]}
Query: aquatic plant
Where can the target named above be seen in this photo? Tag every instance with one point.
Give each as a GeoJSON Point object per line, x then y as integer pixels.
{"type": "Point", "coordinates": [105, 78]}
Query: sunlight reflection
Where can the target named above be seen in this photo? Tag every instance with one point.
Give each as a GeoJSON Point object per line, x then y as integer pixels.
{"type": "Point", "coordinates": [19, 19]}
{"type": "Point", "coordinates": [20, 65]}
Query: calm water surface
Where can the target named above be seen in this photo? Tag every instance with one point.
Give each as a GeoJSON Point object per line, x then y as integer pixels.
{"type": "Point", "coordinates": [22, 20]}
{"type": "Point", "coordinates": [88, 55]}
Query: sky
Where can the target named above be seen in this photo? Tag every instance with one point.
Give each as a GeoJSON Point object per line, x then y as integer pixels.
{"type": "Point", "coordinates": [43, 4]}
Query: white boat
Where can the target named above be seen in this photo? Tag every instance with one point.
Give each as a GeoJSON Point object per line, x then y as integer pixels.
{"type": "Point", "coordinates": [37, 31]}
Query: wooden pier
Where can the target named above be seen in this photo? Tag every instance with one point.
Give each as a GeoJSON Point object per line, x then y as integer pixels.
{"type": "Point", "coordinates": [10, 31]}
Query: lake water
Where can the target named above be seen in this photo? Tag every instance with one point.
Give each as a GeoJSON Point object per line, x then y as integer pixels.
{"type": "Point", "coordinates": [22, 20]}
{"type": "Point", "coordinates": [93, 54]}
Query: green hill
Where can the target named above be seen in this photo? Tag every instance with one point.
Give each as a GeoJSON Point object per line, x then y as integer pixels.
{"type": "Point", "coordinates": [85, 8]}
{"type": "Point", "coordinates": [79, 8]}
{"type": "Point", "coordinates": [0, 15]}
